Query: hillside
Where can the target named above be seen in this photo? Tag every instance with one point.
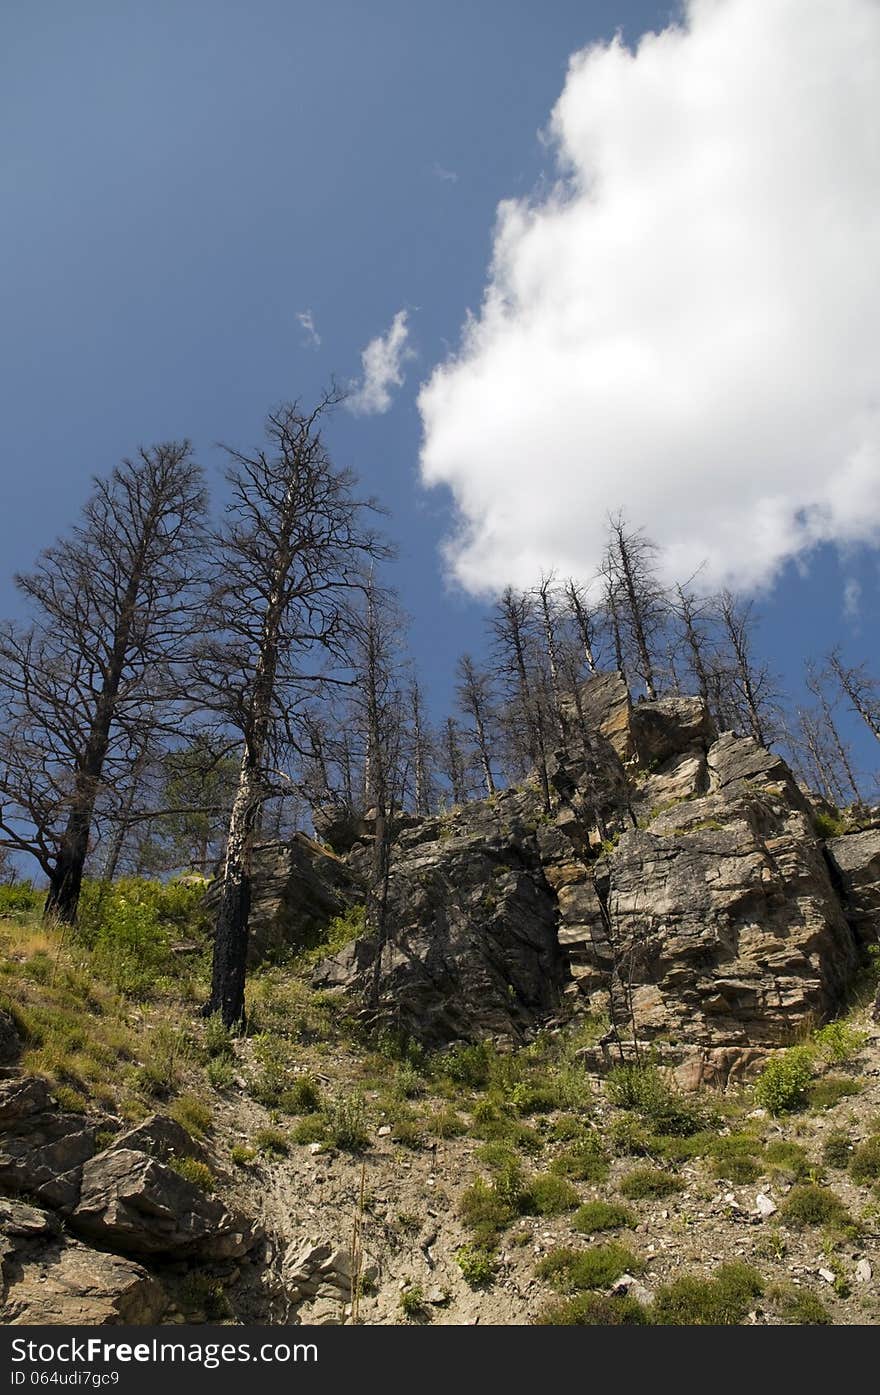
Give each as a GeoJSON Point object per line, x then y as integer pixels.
{"type": "Point", "coordinates": [594, 1084]}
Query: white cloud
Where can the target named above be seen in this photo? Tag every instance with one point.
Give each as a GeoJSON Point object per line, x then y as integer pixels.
{"type": "Point", "coordinates": [383, 361]}
{"type": "Point", "coordinates": [307, 321]}
{"type": "Point", "coordinates": [447, 176]}
{"type": "Point", "coordinates": [687, 325]}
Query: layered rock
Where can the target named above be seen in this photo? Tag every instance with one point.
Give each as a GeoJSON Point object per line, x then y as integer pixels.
{"type": "Point", "coordinates": [472, 947]}
{"type": "Point", "coordinates": [855, 861]}
{"type": "Point", "coordinates": [296, 888]}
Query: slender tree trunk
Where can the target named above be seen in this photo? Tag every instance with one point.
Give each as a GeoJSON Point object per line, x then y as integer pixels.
{"type": "Point", "coordinates": [636, 613]}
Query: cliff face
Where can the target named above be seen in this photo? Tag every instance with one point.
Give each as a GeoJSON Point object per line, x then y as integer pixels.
{"type": "Point", "coordinates": [679, 882]}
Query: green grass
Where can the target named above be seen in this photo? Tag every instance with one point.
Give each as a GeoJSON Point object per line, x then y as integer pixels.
{"type": "Point", "coordinates": [477, 1264]}
{"type": "Point", "coordinates": [595, 1216]}
{"type": "Point", "coordinates": [583, 1161]}
{"type": "Point", "coordinates": [788, 1160]}
{"type": "Point", "coordinates": [548, 1194]}
{"type": "Point", "coordinates": [193, 1114]}
{"type": "Point", "coordinates": [648, 1182]}
{"type": "Point", "coordinates": [194, 1171]}
{"type": "Point", "coordinates": [808, 1205]}
{"type": "Point", "coordinates": [572, 1271]}
{"type": "Point", "coordinates": [864, 1165]}
{"type": "Point", "coordinates": [272, 1141]}
{"type": "Point", "coordinates": [797, 1307]}
{"type": "Point", "coordinates": [643, 1090]}
{"type": "Point", "coordinates": [721, 1301]}
{"type": "Point", "coordinates": [593, 1310]}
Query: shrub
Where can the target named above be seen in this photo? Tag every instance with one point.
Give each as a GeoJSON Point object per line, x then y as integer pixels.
{"type": "Point", "coordinates": [19, 898]}
{"type": "Point", "coordinates": [220, 1072]}
{"type": "Point", "coordinates": [630, 1138]}
{"type": "Point", "coordinates": [598, 1267]}
{"type": "Point", "coordinates": [839, 1041]}
{"type": "Point", "coordinates": [797, 1306]}
{"type": "Point", "coordinates": [783, 1083]}
{"type": "Point", "coordinates": [648, 1182]}
{"type": "Point", "coordinates": [828, 824]}
{"type": "Point", "coordinates": [787, 1158]}
{"type": "Point", "coordinates": [837, 1151]}
{"type": "Point", "coordinates": [721, 1301]}
{"type": "Point", "coordinates": [131, 925]}
{"type": "Point", "coordinates": [486, 1212]}
{"type": "Point", "coordinates": [413, 1304]}
{"type": "Point", "coordinates": [549, 1195]}
{"type": "Point", "coordinates": [271, 1140]}
{"type": "Point", "coordinates": [303, 1096]}
{"type": "Point", "coordinates": [467, 1064]}
{"type": "Point", "coordinates": [192, 1114]}
{"type": "Point", "coordinates": [241, 1155]}
{"type": "Point", "coordinates": [643, 1090]}
{"type": "Point", "coordinates": [218, 1041]}
{"type": "Point", "coordinates": [864, 1164]}
{"type": "Point", "coordinates": [594, 1216]}
{"type": "Point", "coordinates": [477, 1264]}
{"type": "Point", "coordinates": [594, 1310]}
{"type": "Point", "coordinates": [809, 1204]}
{"type": "Point", "coordinates": [409, 1133]}
{"type": "Point", "coordinates": [826, 1093]}
{"type": "Point", "coordinates": [733, 1158]}
{"type": "Point", "coordinates": [194, 1171]}
{"type": "Point", "coordinates": [347, 1123]}
{"type": "Point", "coordinates": [584, 1161]}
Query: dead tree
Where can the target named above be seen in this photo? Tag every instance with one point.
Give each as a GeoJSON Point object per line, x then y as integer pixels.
{"type": "Point", "coordinates": [689, 612]}
{"type": "Point", "coordinates": [295, 531]}
{"type": "Point", "coordinates": [422, 747]}
{"type": "Point", "coordinates": [511, 626]}
{"type": "Point", "coordinates": [862, 690]}
{"type": "Point", "coordinates": [631, 564]}
{"type": "Point", "coordinates": [452, 761]}
{"type": "Point", "coordinates": [750, 682]}
{"type": "Point", "coordinates": [475, 700]}
{"type": "Point", "coordinates": [840, 763]}
{"type": "Point", "coordinates": [584, 619]}
{"type": "Point", "coordinates": [548, 603]}
{"type": "Point", "coordinates": [99, 665]}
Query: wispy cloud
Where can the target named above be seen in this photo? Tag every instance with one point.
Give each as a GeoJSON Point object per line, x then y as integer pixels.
{"type": "Point", "coordinates": [447, 176]}
{"type": "Point", "coordinates": [852, 598]}
{"type": "Point", "coordinates": [307, 321]}
{"type": "Point", "coordinates": [382, 361]}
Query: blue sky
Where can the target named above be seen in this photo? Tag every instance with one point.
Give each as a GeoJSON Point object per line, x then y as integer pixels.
{"type": "Point", "coordinates": [181, 180]}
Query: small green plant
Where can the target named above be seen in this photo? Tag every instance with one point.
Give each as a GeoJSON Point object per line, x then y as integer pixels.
{"type": "Point", "coordinates": [548, 1194]}
{"type": "Point", "coordinates": [830, 1090]}
{"type": "Point", "coordinates": [782, 1085]}
{"type": "Point", "coordinates": [721, 1301]}
{"type": "Point", "coordinates": [595, 1216]}
{"type": "Point", "coordinates": [829, 825]}
{"type": "Point", "coordinates": [272, 1141]}
{"type": "Point", "coordinates": [19, 898]}
{"type": "Point", "coordinates": [809, 1204]}
{"type": "Point", "coordinates": [413, 1304]}
{"type": "Point", "coordinates": [302, 1097]}
{"type": "Point", "coordinates": [446, 1123]}
{"type": "Point", "coordinates": [194, 1171]}
{"type": "Point", "coordinates": [643, 1090]}
{"type": "Point", "coordinates": [837, 1151]}
{"type": "Point", "coordinates": [864, 1164]}
{"type": "Point", "coordinates": [594, 1310]}
{"type": "Point", "coordinates": [487, 1211]}
{"type": "Point", "coordinates": [584, 1161]}
{"type": "Point", "coordinates": [648, 1182]}
{"type": "Point", "coordinates": [797, 1306]}
{"type": "Point", "coordinates": [347, 1123]}
{"type": "Point", "coordinates": [218, 1040]}
{"type": "Point", "coordinates": [598, 1267]}
{"type": "Point", "coordinates": [241, 1155]}
{"type": "Point", "coordinates": [466, 1064]}
{"type": "Point", "coordinates": [193, 1114]}
{"type": "Point", "coordinates": [478, 1265]}
{"type": "Point", "coordinates": [220, 1072]}
{"type": "Point", "coordinates": [312, 1128]}
{"type": "Point", "coordinates": [838, 1042]}
{"type": "Point", "coordinates": [787, 1159]}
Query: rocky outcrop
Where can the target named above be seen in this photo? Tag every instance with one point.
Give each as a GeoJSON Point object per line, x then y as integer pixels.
{"type": "Point", "coordinates": [472, 946]}
{"type": "Point", "coordinates": [131, 1202]}
{"type": "Point", "coordinates": [42, 1147]}
{"type": "Point", "coordinates": [71, 1285]}
{"type": "Point", "coordinates": [296, 888]}
{"type": "Point", "coordinates": [855, 860]}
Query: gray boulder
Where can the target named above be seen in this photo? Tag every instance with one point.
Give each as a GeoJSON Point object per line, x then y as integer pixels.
{"type": "Point", "coordinates": [134, 1203]}
{"type": "Point", "coordinates": [42, 1147]}
{"type": "Point", "coordinates": [855, 859]}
